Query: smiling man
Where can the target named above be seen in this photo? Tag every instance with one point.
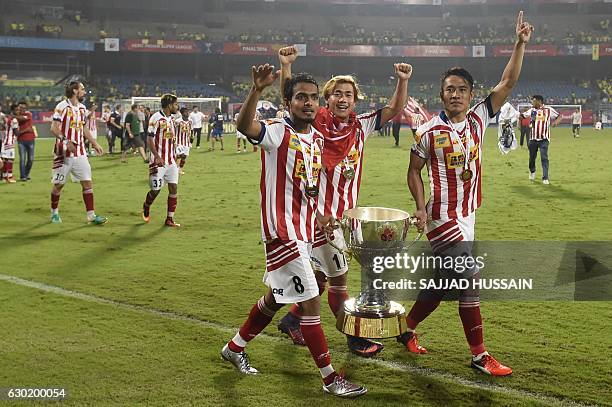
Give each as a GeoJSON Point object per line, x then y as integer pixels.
{"type": "Point", "coordinates": [345, 135]}
{"type": "Point", "coordinates": [290, 168]}
{"type": "Point", "coordinates": [450, 144]}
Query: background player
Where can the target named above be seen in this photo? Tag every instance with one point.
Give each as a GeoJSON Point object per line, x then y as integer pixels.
{"type": "Point", "coordinates": [183, 138]}
{"type": "Point", "coordinates": [450, 144]}
{"type": "Point", "coordinates": [69, 155]}
{"type": "Point", "coordinates": [541, 116]}
{"type": "Point", "coordinates": [162, 159]}
{"type": "Point", "coordinates": [216, 119]}
{"type": "Point", "coordinates": [7, 145]}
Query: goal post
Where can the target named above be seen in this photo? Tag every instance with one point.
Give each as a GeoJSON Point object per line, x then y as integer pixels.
{"type": "Point", "coordinates": [564, 110]}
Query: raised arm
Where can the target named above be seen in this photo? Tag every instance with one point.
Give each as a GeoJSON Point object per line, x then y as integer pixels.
{"type": "Point", "coordinates": [263, 76]}
{"type": "Point", "coordinates": [286, 56]}
{"type": "Point", "coordinates": [400, 96]}
{"type": "Point", "coordinates": [513, 69]}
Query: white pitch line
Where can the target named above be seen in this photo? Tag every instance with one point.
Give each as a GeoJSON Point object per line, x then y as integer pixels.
{"type": "Point", "coordinates": [447, 377]}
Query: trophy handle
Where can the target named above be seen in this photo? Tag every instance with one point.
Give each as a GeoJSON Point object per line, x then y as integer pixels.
{"type": "Point", "coordinates": [412, 221]}
{"type": "Point", "coordinates": [343, 223]}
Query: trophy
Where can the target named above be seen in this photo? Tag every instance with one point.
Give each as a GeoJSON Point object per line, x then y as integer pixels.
{"type": "Point", "coordinates": [370, 232]}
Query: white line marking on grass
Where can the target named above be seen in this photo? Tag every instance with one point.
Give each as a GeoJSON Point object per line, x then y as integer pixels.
{"type": "Point", "coordinates": [446, 377]}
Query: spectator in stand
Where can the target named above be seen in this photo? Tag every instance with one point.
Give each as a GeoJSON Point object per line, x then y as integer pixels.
{"type": "Point", "coordinates": [25, 140]}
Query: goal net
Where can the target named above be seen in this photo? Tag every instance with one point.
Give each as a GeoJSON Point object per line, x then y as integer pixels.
{"type": "Point", "coordinates": [564, 110]}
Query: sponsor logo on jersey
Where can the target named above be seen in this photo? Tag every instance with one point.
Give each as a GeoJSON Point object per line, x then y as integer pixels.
{"type": "Point", "coordinates": [442, 140]}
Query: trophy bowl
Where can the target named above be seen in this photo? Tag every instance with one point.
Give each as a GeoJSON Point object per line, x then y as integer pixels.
{"type": "Point", "coordinates": [371, 232]}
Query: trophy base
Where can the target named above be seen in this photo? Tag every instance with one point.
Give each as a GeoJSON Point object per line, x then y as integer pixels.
{"type": "Point", "coordinates": [373, 325]}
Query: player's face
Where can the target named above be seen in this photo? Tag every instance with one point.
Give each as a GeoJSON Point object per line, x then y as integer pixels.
{"type": "Point", "coordinates": [185, 114]}
{"type": "Point", "coordinates": [342, 100]}
{"type": "Point", "coordinates": [305, 102]}
{"type": "Point", "coordinates": [456, 95]}
{"type": "Point", "coordinates": [174, 107]}
{"type": "Point", "coordinates": [80, 93]}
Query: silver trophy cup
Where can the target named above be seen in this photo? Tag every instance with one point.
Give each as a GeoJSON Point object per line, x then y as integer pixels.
{"type": "Point", "coordinates": [371, 232]}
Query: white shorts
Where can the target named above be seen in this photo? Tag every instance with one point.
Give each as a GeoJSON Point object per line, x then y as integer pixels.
{"type": "Point", "coordinates": [168, 174]}
{"type": "Point", "coordinates": [94, 134]}
{"type": "Point", "coordinates": [289, 272]}
{"type": "Point", "coordinates": [78, 167]}
{"type": "Point", "coordinates": [327, 259]}
{"type": "Point", "coordinates": [9, 154]}
{"type": "Point", "coordinates": [182, 150]}
{"type": "Point", "coordinates": [451, 229]}
{"type": "Point", "coordinates": [240, 136]}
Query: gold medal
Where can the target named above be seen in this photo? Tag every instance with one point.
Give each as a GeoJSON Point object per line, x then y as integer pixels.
{"type": "Point", "coordinates": [312, 191]}
{"type": "Point", "coordinates": [348, 173]}
{"type": "Point", "coordinates": [466, 175]}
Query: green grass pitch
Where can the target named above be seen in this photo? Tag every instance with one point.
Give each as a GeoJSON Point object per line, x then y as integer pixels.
{"type": "Point", "coordinates": [147, 309]}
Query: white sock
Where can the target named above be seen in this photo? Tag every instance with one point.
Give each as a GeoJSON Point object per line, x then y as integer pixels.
{"type": "Point", "coordinates": [238, 340]}
{"type": "Point", "coordinates": [326, 371]}
{"type": "Point", "coordinates": [479, 356]}
{"type": "Point", "coordinates": [91, 215]}
{"type": "Point", "coordinates": [54, 211]}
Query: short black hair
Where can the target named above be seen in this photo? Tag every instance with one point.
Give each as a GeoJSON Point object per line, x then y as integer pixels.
{"type": "Point", "coordinates": [294, 80]}
{"type": "Point", "coordinates": [71, 87]}
{"type": "Point", "coordinates": [458, 71]}
{"type": "Point", "coordinates": [117, 107]}
{"type": "Point", "coordinates": [167, 99]}
{"type": "Point", "coordinates": [183, 110]}
{"type": "Point", "coordinates": [540, 98]}
{"type": "Point", "coordinates": [195, 107]}
{"type": "Point", "coordinates": [13, 107]}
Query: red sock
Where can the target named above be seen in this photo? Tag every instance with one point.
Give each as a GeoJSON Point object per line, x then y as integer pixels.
{"type": "Point", "coordinates": [150, 198]}
{"type": "Point", "coordinates": [472, 325]}
{"type": "Point", "coordinates": [336, 295]}
{"type": "Point", "coordinates": [182, 163]}
{"type": "Point", "coordinates": [171, 205]}
{"type": "Point", "coordinates": [259, 317]}
{"type": "Point", "coordinates": [54, 200]}
{"type": "Point", "coordinates": [88, 198]}
{"type": "Point", "coordinates": [419, 311]}
{"type": "Point", "coordinates": [8, 167]}
{"type": "Point", "coordinates": [317, 345]}
{"type": "Point", "coordinates": [295, 310]}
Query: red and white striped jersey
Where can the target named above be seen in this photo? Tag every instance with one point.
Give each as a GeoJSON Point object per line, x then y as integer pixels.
{"type": "Point", "coordinates": [416, 120]}
{"type": "Point", "coordinates": [287, 213]}
{"type": "Point", "coordinates": [183, 132]}
{"type": "Point", "coordinates": [92, 123]}
{"type": "Point", "coordinates": [8, 141]}
{"type": "Point", "coordinates": [339, 193]}
{"type": "Point", "coordinates": [161, 128]}
{"type": "Point", "coordinates": [72, 121]}
{"type": "Point", "coordinates": [540, 121]}
{"type": "Point", "coordinates": [450, 196]}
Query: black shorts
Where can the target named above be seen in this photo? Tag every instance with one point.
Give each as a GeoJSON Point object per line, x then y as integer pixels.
{"type": "Point", "coordinates": [575, 127]}
{"type": "Point", "coordinates": [131, 142]}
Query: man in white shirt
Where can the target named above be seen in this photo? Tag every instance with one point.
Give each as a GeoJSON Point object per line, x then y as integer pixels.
{"type": "Point", "coordinates": [508, 117]}
{"type": "Point", "coordinates": [197, 118]}
{"type": "Point", "coordinates": [576, 123]}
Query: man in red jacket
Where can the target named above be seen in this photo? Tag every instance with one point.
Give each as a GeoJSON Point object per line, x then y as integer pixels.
{"type": "Point", "coordinates": [25, 141]}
